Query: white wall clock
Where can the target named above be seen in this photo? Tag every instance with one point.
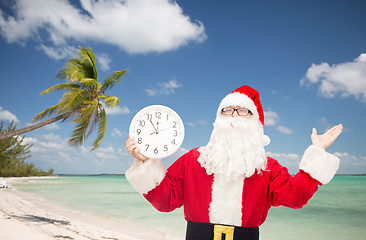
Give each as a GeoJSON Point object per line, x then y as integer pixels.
{"type": "Point", "coordinates": [158, 131]}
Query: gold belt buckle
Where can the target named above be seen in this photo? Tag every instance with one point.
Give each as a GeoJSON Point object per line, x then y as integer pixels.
{"type": "Point", "coordinates": [221, 229]}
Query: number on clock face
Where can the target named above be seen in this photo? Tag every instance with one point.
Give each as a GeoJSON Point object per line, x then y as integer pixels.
{"type": "Point", "coordinates": [158, 131]}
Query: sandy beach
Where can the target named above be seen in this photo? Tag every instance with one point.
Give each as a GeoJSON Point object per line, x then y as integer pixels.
{"type": "Point", "coordinates": [23, 216]}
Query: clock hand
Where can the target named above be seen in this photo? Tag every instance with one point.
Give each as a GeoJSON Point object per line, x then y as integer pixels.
{"type": "Point", "coordinates": [164, 129]}
{"type": "Point", "coordinates": [153, 126]}
{"type": "Point", "coordinates": [161, 130]}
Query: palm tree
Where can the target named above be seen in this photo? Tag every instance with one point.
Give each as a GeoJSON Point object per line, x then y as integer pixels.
{"type": "Point", "coordinates": [83, 102]}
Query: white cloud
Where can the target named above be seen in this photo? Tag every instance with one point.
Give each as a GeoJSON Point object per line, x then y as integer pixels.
{"type": "Point", "coordinates": [271, 119]}
{"type": "Point", "coordinates": [60, 52]}
{"type": "Point", "coordinates": [324, 124]}
{"type": "Point", "coordinates": [116, 133]}
{"type": "Point", "coordinates": [47, 143]}
{"type": "Point", "coordinates": [164, 88]}
{"type": "Point", "coordinates": [136, 26]}
{"type": "Point", "coordinates": [104, 61]}
{"type": "Point", "coordinates": [117, 110]}
{"type": "Point", "coordinates": [105, 153]}
{"type": "Point", "coordinates": [284, 130]}
{"type": "Point", "coordinates": [292, 156]}
{"type": "Point", "coordinates": [52, 126]}
{"type": "Point", "coordinates": [48, 127]}
{"type": "Point", "coordinates": [289, 160]}
{"type": "Point", "coordinates": [191, 124]}
{"type": "Point", "coordinates": [344, 79]}
{"type": "Point", "coordinates": [5, 115]}
{"type": "Point", "coordinates": [200, 122]}
{"type": "Point", "coordinates": [343, 155]}
{"type": "Point", "coordinates": [52, 151]}
{"type": "Point", "coordinates": [351, 164]}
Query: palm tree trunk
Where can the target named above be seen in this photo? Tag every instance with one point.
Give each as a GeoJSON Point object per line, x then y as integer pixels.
{"type": "Point", "coordinates": [35, 126]}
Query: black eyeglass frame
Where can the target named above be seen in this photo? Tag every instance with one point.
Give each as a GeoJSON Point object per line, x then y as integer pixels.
{"type": "Point", "coordinates": [237, 110]}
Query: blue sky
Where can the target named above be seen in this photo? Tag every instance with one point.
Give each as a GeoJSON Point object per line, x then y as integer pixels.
{"type": "Point", "coordinates": [306, 58]}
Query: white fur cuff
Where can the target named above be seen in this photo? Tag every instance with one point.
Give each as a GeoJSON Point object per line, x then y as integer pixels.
{"type": "Point", "coordinates": [145, 176]}
{"type": "Point", "coordinates": [319, 164]}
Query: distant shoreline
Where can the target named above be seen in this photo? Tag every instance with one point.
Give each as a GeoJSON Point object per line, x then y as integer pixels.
{"type": "Point", "coordinates": [122, 175]}
{"type": "Point", "coordinates": [91, 175]}
{"type": "Point", "coordinates": [351, 174]}
{"type": "Point", "coordinates": [109, 174]}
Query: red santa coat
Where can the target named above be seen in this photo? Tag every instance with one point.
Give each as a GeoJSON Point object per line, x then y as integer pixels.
{"type": "Point", "coordinates": [187, 184]}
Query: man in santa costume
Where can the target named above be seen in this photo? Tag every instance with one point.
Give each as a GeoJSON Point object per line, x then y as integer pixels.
{"type": "Point", "coordinates": [228, 186]}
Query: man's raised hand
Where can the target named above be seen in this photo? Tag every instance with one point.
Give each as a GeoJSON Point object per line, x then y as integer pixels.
{"type": "Point", "coordinates": [327, 138]}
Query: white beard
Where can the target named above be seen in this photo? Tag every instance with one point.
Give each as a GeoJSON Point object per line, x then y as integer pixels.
{"type": "Point", "coordinates": [235, 148]}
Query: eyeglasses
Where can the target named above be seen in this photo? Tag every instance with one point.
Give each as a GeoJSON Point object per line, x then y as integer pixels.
{"type": "Point", "coordinates": [241, 111]}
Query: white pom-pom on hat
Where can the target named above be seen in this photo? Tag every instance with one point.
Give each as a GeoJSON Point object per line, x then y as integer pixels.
{"type": "Point", "coordinates": [265, 140]}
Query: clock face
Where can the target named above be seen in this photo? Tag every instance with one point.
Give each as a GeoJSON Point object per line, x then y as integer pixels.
{"type": "Point", "coordinates": [158, 131]}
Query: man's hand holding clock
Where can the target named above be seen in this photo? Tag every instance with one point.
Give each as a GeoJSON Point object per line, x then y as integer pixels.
{"type": "Point", "coordinates": [134, 150]}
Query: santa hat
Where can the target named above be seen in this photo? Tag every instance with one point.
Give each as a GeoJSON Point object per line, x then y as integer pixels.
{"type": "Point", "coordinates": [246, 97]}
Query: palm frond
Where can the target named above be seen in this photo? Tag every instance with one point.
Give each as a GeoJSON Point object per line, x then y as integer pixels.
{"type": "Point", "coordinates": [78, 135]}
{"type": "Point", "coordinates": [73, 99]}
{"type": "Point", "coordinates": [111, 101]}
{"type": "Point", "coordinates": [86, 120]}
{"type": "Point", "coordinates": [91, 83]}
{"type": "Point", "coordinates": [102, 126]}
{"type": "Point", "coordinates": [61, 86]}
{"type": "Point", "coordinates": [87, 58]}
{"type": "Point", "coordinates": [87, 110]}
{"type": "Point", "coordinates": [94, 119]}
{"type": "Point", "coordinates": [79, 68]}
{"type": "Point", "coordinates": [111, 80]}
{"type": "Point", "coordinates": [48, 112]}
{"type": "Point", "coordinates": [72, 72]}
{"type": "Point", "coordinates": [81, 131]}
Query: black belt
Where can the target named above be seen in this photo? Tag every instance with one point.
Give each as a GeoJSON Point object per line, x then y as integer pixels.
{"type": "Point", "coordinates": [208, 231]}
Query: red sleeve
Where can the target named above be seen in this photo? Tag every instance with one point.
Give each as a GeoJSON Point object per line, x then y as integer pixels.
{"type": "Point", "coordinates": [168, 195]}
{"type": "Point", "coordinates": [290, 191]}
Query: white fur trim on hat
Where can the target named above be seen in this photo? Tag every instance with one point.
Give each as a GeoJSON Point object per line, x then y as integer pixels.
{"type": "Point", "coordinates": [319, 164]}
{"type": "Point", "coordinates": [145, 176]}
{"type": "Point", "coordinates": [238, 99]}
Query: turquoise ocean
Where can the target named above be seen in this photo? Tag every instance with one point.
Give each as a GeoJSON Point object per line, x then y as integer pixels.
{"type": "Point", "coordinates": [337, 211]}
